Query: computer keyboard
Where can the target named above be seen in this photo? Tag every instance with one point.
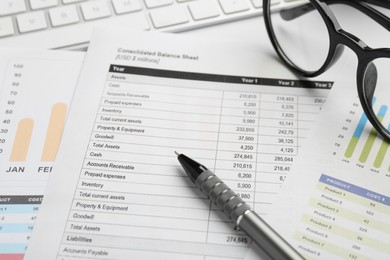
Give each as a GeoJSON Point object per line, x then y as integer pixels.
{"type": "Point", "coordinates": [68, 23]}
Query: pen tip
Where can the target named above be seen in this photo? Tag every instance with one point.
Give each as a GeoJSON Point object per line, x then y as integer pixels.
{"type": "Point", "coordinates": [177, 153]}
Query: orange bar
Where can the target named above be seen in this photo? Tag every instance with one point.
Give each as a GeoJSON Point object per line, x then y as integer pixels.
{"type": "Point", "coordinates": [54, 132]}
{"type": "Point", "coordinates": [22, 140]}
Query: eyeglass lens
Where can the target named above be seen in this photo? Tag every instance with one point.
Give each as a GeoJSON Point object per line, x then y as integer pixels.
{"type": "Point", "coordinates": [376, 82]}
{"type": "Point", "coordinates": [305, 47]}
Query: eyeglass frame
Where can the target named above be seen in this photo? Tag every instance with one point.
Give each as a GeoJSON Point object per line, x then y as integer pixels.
{"type": "Point", "coordinates": [338, 39]}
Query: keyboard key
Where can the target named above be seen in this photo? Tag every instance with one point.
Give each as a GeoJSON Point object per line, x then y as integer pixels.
{"type": "Point", "coordinates": [40, 4]}
{"type": "Point", "coordinates": [126, 6]}
{"type": "Point", "coordinates": [204, 9]}
{"type": "Point", "coordinates": [156, 3]}
{"type": "Point", "coordinates": [72, 1]}
{"type": "Point", "coordinates": [259, 3]}
{"type": "Point", "coordinates": [63, 15]}
{"type": "Point", "coordinates": [12, 7]}
{"type": "Point", "coordinates": [95, 10]}
{"type": "Point", "coordinates": [169, 16]}
{"type": "Point", "coordinates": [6, 27]}
{"type": "Point", "coordinates": [234, 6]}
{"type": "Point", "coordinates": [33, 21]}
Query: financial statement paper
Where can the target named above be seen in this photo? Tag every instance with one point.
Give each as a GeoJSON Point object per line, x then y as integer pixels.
{"type": "Point", "coordinates": [118, 191]}
{"type": "Point", "coordinates": [343, 210]}
{"type": "Point", "coordinates": [36, 89]}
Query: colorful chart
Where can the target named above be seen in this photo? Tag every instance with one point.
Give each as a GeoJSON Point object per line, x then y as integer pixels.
{"type": "Point", "coordinates": [364, 146]}
{"type": "Point", "coordinates": [35, 94]}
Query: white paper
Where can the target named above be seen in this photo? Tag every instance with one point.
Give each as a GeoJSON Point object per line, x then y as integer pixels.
{"type": "Point", "coordinates": [119, 191]}
{"type": "Point", "coordinates": [336, 205]}
{"type": "Point", "coordinates": [36, 89]}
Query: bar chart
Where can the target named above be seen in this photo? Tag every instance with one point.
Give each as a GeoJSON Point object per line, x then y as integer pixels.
{"type": "Point", "coordinates": [34, 100]}
{"type": "Point", "coordinates": [365, 147]}
{"type": "Point", "coordinates": [24, 132]}
{"type": "Point", "coordinates": [34, 108]}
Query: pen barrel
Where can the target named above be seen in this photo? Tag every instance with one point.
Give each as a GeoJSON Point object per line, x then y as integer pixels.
{"type": "Point", "coordinates": [221, 195]}
{"type": "Point", "coordinates": [241, 213]}
{"type": "Point", "coordinates": [266, 238]}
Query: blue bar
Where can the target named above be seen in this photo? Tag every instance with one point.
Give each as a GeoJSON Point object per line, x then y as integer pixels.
{"type": "Point", "coordinates": [13, 248]}
{"type": "Point", "coordinates": [16, 228]}
{"type": "Point", "coordinates": [360, 127]}
{"type": "Point", "coordinates": [382, 111]}
{"type": "Point", "coordinates": [19, 209]}
{"type": "Point", "coordinates": [362, 122]}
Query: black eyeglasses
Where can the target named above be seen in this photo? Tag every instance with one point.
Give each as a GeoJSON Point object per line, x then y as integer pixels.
{"type": "Point", "coordinates": [311, 52]}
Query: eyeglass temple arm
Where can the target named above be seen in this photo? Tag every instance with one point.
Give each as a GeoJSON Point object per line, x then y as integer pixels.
{"type": "Point", "coordinates": [295, 12]}
{"type": "Point", "coordinates": [382, 3]}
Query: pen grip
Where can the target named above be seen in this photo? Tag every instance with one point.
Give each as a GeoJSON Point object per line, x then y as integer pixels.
{"type": "Point", "coordinates": [221, 195]}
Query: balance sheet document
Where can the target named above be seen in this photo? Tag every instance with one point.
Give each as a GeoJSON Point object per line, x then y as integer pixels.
{"type": "Point", "coordinates": [117, 190]}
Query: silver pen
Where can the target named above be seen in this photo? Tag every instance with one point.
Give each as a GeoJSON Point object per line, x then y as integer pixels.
{"type": "Point", "coordinates": [237, 210]}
